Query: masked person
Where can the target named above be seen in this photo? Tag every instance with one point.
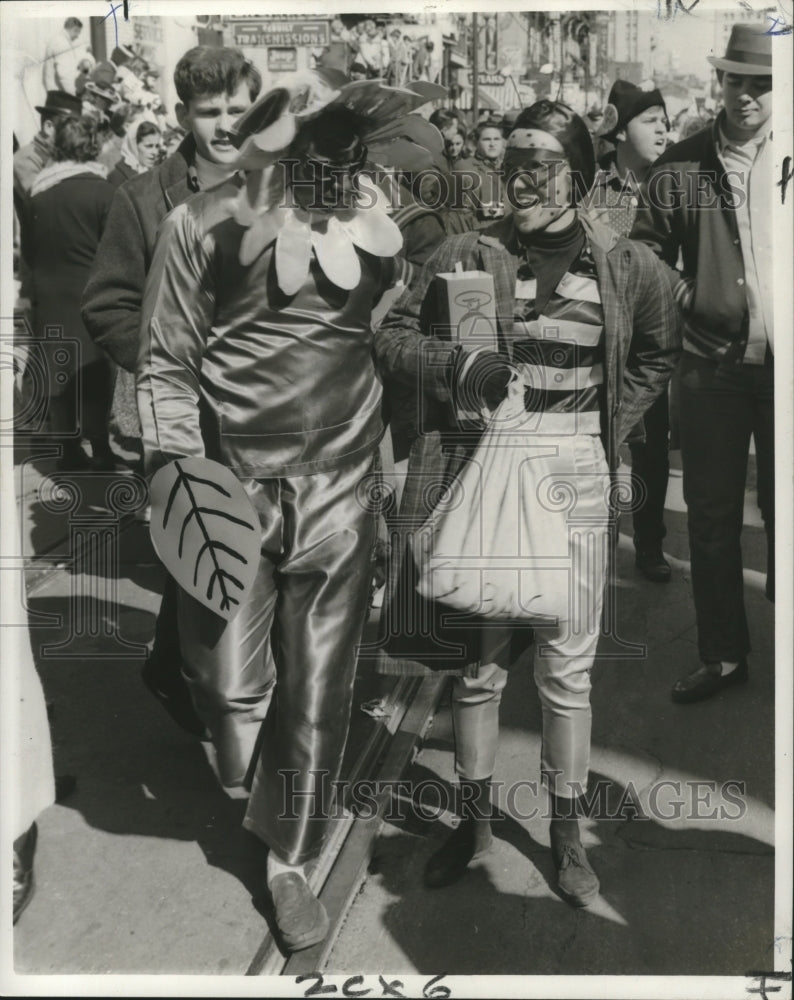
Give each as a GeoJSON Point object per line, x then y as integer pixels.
{"type": "Point", "coordinates": [258, 353]}
{"type": "Point", "coordinates": [584, 315]}
{"type": "Point", "coordinates": [635, 122]}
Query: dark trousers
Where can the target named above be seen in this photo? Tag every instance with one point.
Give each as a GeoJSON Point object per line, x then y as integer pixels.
{"type": "Point", "coordinates": [83, 405]}
{"type": "Point", "coordinates": [166, 653]}
{"type": "Point", "coordinates": [650, 464]}
{"type": "Point", "coordinates": [720, 408]}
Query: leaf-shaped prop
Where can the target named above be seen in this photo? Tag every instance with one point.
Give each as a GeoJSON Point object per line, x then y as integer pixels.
{"type": "Point", "coordinates": [400, 154]}
{"type": "Point", "coordinates": [376, 100]}
{"type": "Point", "coordinates": [426, 145]}
{"type": "Point", "coordinates": [262, 114]}
{"type": "Point", "coordinates": [427, 91]}
{"type": "Point", "coordinates": [206, 532]}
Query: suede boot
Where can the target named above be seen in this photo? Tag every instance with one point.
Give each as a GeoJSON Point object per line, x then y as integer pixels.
{"type": "Point", "coordinates": [470, 840]}
{"type": "Point", "coordinates": [576, 880]}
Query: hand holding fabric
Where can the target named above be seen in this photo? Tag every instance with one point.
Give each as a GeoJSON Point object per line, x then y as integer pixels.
{"type": "Point", "coordinates": [483, 379]}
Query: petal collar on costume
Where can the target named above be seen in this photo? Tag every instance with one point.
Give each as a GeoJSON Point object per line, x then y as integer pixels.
{"type": "Point", "coordinates": [332, 237]}
{"type": "Point", "coordinates": [394, 137]}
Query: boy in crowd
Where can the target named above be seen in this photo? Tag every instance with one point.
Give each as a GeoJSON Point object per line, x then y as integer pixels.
{"type": "Point", "coordinates": [635, 122]}
{"type": "Point", "coordinates": [215, 86]}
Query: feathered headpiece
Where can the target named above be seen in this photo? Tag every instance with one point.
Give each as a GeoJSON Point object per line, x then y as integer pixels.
{"type": "Point", "coordinates": [280, 122]}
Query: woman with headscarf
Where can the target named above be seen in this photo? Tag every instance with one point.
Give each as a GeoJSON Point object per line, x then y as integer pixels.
{"type": "Point", "coordinates": [140, 150]}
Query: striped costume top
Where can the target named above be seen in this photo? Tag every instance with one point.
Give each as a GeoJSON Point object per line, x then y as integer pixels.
{"type": "Point", "coordinates": [558, 346]}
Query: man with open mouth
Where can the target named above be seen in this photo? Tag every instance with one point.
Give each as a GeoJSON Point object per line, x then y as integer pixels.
{"type": "Point", "coordinates": [635, 121]}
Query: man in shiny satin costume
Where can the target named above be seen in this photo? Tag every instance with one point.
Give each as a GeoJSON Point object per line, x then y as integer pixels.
{"type": "Point", "coordinates": [281, 388]}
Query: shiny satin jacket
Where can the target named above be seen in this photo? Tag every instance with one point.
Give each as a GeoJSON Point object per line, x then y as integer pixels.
{"type": "Point", "coordinates": [232, 368]}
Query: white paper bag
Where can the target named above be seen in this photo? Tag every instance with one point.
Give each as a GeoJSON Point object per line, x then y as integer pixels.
{"type": "Point", "coordinates": [497, 544]}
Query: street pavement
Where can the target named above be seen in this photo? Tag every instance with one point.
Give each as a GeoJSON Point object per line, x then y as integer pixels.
{"type": "Point", "coordinates": [685, 890]}
{"type": "Point", "coordinates": [145, 869]}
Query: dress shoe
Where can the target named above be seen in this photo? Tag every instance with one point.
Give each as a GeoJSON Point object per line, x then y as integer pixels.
{"type": "Point", "coordinates": [300, 916]}
{"type": "Point", "coordinates": [576, 880]}
{"type": "Point", "coordinates": [653, 565]}
{"type": "Point", "coordinates": [174, 696]}
{"type": "Point", "coordinates": [469, 841]}
{"type": "Point", "coordinates": [707, 681]}
{"type": "Point", "coordinates": [24, 850]}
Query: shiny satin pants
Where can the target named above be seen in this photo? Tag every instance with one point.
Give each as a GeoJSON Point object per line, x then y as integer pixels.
{"type": "Point", "coordinates": [563, 652]}
{"type": "Point", "coordinates": [274, 686]}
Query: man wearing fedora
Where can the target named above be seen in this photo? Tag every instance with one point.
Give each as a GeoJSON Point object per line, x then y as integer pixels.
{"type": "Point", "coordinates": [710, 198]}
{"type": "Point", "coordinates": [31, 159]}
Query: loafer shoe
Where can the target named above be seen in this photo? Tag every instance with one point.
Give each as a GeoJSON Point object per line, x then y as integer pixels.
{"type": "Point", "coordinates": [705, 682]}
{"type": "Point", "coordinates": [300, 916]}
{"type": "Point", "coordinates": [576, 880]}
{"type": "Point", "coordinates": [653, 565]}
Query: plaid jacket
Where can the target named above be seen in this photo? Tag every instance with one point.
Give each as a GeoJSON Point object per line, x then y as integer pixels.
{"type": "Point", "coordinates": [641, 348]}
{"type": "Point", "coordinates": [641, 326]}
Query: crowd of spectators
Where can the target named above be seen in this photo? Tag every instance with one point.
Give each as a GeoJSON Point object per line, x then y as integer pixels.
{"type": "Point", "coordinates": [372, 50]}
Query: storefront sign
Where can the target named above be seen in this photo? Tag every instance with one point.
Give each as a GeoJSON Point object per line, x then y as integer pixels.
{"type": "Point", "coordinates": [315, 34]}
{"type": "Point", "coordinates": [282, 60]}
{"type": "Point", "coordinates": [488, 79]}
{"type": "Point", "coordinates": [147, 31]}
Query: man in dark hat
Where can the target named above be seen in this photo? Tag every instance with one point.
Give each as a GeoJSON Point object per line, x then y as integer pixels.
{"type": "Point", "coordinates": [710, 200]}
{"type": "Point", "coordinates": [584, 316]}
{"type": "Point", "coordinates": [31, 159]}
{"type": "Point", "coordinates": [635, 122]}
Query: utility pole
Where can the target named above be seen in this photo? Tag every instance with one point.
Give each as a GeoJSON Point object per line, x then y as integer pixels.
{"type": "Point", "coordinates": [475, 70]}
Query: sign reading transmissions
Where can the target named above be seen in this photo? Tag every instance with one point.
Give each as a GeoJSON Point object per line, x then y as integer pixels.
{"type": "Point", "coordinates": [281, 33]}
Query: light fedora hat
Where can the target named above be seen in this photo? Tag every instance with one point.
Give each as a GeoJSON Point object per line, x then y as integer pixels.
{"type": "Point", "coordinates": [749, 51]}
